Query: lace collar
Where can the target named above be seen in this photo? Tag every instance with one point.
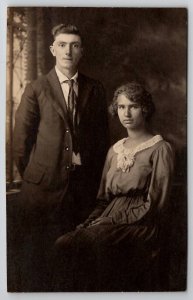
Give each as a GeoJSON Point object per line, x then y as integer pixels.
{"type": "Point", "coordinates": [126, 156]}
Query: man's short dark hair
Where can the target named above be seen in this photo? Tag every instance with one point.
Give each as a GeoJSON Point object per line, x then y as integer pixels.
{"type": "Point", "coordinates": [135, 92]}
{"type": "Point", "coordinates": [65, 28]}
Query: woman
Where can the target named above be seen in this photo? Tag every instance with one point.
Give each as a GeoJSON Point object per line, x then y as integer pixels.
{"type": "Point", "coordinates": [133, 196]}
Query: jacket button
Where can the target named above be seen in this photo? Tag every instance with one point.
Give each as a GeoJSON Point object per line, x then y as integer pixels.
{"type": "Point", "coordinates": [67, 167]}
{"type": "Point", "coordinates": [67, 130]}
{"type": "Point", "coordinates": [66, 148]}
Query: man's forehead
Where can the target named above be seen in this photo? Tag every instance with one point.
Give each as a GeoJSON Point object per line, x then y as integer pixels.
{"type": "Point", "coordinates": [68, 38]}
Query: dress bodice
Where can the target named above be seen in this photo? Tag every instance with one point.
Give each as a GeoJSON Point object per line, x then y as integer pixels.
{"type": "Point", "coordinates": [136, 180]}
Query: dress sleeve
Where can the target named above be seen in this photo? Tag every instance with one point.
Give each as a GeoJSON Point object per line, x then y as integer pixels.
{"type": "Point", "coordinates": [161, 180]}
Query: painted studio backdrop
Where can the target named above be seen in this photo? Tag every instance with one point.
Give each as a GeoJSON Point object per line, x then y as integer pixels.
{"type": "Point", "coordinates": [120, 44]}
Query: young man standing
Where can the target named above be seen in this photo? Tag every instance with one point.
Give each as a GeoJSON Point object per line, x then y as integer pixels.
{"type": "Point", "coordinates": [60, 143]}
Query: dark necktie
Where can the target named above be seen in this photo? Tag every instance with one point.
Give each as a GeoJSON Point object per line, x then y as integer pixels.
{"type": "Point", "coordinates": [72, 113]}
{"type": "Point", "coordinates": [72, 103]}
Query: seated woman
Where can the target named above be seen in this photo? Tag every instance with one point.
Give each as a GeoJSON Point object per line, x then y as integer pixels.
{"type": "Point", "coordinates": [122, 231]}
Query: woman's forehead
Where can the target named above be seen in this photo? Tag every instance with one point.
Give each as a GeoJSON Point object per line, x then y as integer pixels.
{"type": "Point", "coordinates": [124, 99]}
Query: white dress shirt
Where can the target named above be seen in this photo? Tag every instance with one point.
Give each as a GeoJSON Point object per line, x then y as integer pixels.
{"type": "Point", "coordinates": [76, 159]}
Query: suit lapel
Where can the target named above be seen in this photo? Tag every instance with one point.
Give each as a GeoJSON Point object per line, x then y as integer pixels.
{"type": "Point", "coordinates": [55, 94]}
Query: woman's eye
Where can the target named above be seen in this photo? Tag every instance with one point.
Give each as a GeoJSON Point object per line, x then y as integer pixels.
{"type": "Point", "coordinates": [76, 46]}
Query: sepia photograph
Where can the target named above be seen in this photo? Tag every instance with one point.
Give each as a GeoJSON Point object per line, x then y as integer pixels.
{"type": "Point", "coordinates": [96, 149]}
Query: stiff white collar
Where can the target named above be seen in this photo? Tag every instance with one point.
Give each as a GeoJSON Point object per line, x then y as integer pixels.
{"type": "Point", "coordinates": [63, 77]}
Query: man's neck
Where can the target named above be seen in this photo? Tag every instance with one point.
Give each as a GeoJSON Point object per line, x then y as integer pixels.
{"type": "Point", "coordinates": [68, 73]}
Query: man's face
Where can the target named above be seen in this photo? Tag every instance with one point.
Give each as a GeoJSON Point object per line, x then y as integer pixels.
{"type": "Point", "coordinates": [67, 48]}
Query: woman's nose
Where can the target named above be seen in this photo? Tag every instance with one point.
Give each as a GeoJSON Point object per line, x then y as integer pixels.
{"type": "Point", "coordinates": [127, 112]}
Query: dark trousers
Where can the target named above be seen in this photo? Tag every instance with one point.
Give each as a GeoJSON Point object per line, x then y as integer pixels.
{"type": "Point", "coordinates": [83, 189]}
{"type": "Point", "coordinates": [39, 218]}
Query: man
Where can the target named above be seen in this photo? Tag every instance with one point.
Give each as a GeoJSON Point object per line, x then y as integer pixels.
{"type": "Point", "coordinates": [60, 141]}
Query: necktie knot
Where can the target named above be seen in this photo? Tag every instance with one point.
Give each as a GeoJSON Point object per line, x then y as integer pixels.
{"type": "Point", "coordinates": [70, 82]}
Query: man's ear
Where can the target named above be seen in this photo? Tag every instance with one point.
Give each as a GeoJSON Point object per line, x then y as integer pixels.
{"type": "Point", "coordinates": [82, 52]}
{"type": "Point", "coordinates": [52, 50]}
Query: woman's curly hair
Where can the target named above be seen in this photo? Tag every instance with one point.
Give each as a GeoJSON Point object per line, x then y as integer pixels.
{"type": "Point", "coordinates": [135, 92]}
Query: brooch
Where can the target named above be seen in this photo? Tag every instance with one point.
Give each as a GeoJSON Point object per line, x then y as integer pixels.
{"type": "Point", "coordinates": [125, 161]}
{"type": "Point", "coordinates": [126, 157]}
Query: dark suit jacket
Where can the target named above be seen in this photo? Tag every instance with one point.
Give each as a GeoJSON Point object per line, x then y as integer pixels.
{"type": "Point", "coordinates": [42, 136]}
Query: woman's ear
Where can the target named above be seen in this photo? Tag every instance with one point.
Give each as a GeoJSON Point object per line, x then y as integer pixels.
{"type": "Point", "coordinates": [145, 113]}
{"type": "Point", "coordinates": [52, 50]}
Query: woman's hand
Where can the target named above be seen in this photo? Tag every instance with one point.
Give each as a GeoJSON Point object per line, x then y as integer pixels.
{"type": "Point", "coordinates": [101, 221]}
{"type": "Point", "coordinates": [80, 226]}
{"type": "Point", "coordinates": [85, 224]}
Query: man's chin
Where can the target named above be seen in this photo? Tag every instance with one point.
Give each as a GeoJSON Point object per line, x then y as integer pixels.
{"type": "Point", "coordinates": [68, 65]}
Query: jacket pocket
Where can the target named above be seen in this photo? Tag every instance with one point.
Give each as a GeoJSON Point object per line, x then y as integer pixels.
{"type": "Point", "coordinates": [34, 173]}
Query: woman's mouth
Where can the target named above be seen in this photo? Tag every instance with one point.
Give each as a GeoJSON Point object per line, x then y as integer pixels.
{"type": "Point", "coordinates": [128, 121]}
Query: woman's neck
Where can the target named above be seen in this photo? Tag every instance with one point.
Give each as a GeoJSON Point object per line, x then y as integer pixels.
{"type": "Point", "coordinates": [138, 136]}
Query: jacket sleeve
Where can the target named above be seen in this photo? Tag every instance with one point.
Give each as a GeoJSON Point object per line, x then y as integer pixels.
{"type": "Point", "coordinates": [101, 129]}
{"type": "Point", "coordinates": [102, 198]}
{"type": "Point", "coordinates": [26, 126]}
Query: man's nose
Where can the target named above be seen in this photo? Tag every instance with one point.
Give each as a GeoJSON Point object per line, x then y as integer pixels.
{"type": "Point", "coordinates": [68, 49]}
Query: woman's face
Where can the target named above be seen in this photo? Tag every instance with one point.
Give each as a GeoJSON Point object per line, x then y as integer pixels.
{"type": "Point", "coordinates": [130, 113]}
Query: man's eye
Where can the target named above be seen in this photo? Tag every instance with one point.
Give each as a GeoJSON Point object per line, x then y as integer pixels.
{"type": "Point", "coordinates": [121, 107]}
{"type": "Point", "coordinates": [61, 45]}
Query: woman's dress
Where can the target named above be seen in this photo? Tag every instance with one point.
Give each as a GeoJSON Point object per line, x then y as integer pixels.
{"type": "Point", "coordinates": [132, 200]}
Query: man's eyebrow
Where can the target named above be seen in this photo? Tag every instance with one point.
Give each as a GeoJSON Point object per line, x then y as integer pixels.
{"type": "Point", "coordinates": [60, 41]}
